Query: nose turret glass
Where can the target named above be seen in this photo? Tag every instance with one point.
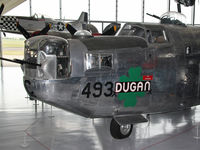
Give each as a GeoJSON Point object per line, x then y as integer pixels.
{"type": "Point", "coordinates": [53, 55]}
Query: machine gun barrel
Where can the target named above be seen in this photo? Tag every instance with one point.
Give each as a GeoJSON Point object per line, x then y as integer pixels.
{"type": "Point", "coordinates": [154, 16]}
{"type": "Point", "coordinates": [18, 61]}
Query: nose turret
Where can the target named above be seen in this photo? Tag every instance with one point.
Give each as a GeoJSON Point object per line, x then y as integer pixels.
{"type": "Point", "coordinates": [53, 55]}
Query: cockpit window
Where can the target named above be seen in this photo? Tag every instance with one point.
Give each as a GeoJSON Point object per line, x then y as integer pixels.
{"type": "Point", "coordinates": [99, 61]}
{"type": "Point", "coordinates": [132, 30]}
{"type": "Point", "coordinates": [156, 36]}
{"type": "Point", "coordinates": [40, 16]}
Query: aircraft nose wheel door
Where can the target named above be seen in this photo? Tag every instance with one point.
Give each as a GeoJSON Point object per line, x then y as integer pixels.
{"type": "Point", "coordinates": [120, 131]}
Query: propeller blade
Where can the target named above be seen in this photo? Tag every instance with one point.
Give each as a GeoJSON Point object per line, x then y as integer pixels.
{"type": "Point", "coordinates": [1, 8]}
{"type": "Point", "coordinates": [23, 31]}
{"type": "Point", "coordinates": [3, 32]}
{"type": "Point", "coordinates": [44, 30]}
{"type": "Point", "coordinates": [70, 28]}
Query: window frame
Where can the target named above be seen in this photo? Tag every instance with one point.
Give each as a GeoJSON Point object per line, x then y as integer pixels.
{"type": "Point", "coordinates": [99, 67]}
{"type": "Point", "coordinates": [164, 34]}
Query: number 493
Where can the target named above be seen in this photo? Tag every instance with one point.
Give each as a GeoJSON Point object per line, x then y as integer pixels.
{"type": "Point", "coordinates": [98, 89]}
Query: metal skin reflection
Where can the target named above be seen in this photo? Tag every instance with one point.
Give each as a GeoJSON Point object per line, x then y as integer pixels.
{"type": "Point", "coordinates": [65, 80]}
{"type": "Point", "coordinates": [79, 74]}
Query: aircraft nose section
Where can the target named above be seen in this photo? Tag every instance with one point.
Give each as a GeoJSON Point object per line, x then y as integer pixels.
{"type": "Point", "coordinates": [52, 53]}
{"type": "Point", "coordinates": [38, 89]}
{"type": "Point", "coordinates": [29, 88]}
{"type": "Point", "coordinates": [48, 66]}
{"type": "Point", "coordinates": [49, 90]}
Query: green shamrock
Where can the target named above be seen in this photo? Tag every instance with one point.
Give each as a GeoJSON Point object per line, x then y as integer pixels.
{"type": "Point", "coordinates": [134, 74]}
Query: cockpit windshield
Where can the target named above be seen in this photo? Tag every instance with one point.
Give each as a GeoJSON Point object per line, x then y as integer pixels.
{"type": "Point", "coordinates": [40, 16]}
{"type": "Point", "coordinates": [150, 33]}
{"type": "Point", "coordinates": [132, 30]}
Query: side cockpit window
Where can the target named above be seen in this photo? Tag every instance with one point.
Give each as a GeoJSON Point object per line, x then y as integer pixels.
{"type": "Point", "coordinates": [95, 61]}
{"type": "Point", "coordinates": [157, 36]}
{"type": "Point", "coordinates": [106, 61]}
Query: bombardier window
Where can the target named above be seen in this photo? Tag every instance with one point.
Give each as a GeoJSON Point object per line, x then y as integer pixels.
{"type": "Point", "coordinates": [98, 61]}
{"type": "Point", "coordinates": [31, 56]}
{"type": "Point", "coordinates": [63, 66]}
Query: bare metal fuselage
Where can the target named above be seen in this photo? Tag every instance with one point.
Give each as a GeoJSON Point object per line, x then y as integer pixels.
{"type": "Point", "coordinates": [86, 87]}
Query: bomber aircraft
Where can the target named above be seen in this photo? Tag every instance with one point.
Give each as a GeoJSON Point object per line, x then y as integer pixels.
{"type": "Point", "coordinates": [144, 69]}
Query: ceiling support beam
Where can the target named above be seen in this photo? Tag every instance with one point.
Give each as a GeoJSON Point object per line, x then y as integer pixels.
{"type": "Point", "coordinates": [116, 8]}
{"type": "Point", "coordinates": [89, 11]}
{"type": "Point", "coordinates": [168, 5]}
{"type": "Point", "coordinates": [193, 14]}
{"type": "Point", "coordinates": [143, 9]}
{"type": "Point", "coordinates": [30, 7]}
{"type": "Point", "coordinates": [60, 9]}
